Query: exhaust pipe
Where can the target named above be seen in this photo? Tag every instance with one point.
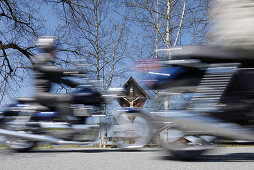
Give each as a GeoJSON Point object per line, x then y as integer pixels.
{"type": "Point", "coordinates": [192, 123]}
{"type": "Point", "coordinates": [40, 138]}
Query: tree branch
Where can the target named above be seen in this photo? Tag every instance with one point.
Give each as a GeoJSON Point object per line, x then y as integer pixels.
{"type": "Point", "coordinates": [180, 25]}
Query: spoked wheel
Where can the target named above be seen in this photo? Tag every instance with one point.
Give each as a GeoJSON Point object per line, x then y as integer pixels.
{"type": "Point", "coordinates": [133, 131]}
{"type": "Point", "coordinates": [20, 145]}
{"type": "Point", "coordinates": [182, 149]}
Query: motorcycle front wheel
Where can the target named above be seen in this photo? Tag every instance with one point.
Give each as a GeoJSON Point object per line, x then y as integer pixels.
{"type": "Point", "coordinates": [20, 145]}
{"type": "Point", "coordinates": [15, 143]}
{"type": "Point", "coordinates": [183, 149]}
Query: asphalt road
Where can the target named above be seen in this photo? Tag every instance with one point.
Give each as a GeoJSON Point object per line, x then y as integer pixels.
{"type": "Point", "coordinates": [224, 158]}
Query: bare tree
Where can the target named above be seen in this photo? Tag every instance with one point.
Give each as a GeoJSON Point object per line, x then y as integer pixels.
{"type": "Point", "coordinates": [92, 31]}
{"type": "Point", "coordinates": [168, 23]}
{"type": "Point", "coordinates": [19, 25]}
{"type": "Point", "coordinates": [97, 30]}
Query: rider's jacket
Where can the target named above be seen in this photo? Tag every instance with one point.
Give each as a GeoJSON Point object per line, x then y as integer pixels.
{"type": "Point", "coordinates": [46, 74]}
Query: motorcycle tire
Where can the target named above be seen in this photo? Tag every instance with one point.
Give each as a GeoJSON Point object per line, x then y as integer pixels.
{"type": "Point", "coordinates": [132, 134]}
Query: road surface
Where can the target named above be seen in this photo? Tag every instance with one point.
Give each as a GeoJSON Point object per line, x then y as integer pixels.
{"type": "Point", "coordinates": [74, 159]}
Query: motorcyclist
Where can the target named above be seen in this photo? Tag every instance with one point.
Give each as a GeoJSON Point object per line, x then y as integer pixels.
{"type": "Point", "coordinates": [46, 74]}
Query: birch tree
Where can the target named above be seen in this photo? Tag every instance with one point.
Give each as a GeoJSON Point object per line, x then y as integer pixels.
{"type": "Point", "coordinates": [168, 23]}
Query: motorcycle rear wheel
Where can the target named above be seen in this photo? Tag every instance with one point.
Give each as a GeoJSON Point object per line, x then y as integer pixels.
{"type": "Point", "coordinates": [132, 135]}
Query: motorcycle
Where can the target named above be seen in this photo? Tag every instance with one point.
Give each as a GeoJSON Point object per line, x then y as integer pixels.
{"type": "Point", "coordinates": [26, 123]}
{"type": "Point", "coordinates": [222, 85]}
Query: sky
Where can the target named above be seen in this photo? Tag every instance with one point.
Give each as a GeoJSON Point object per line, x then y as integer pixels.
{"type": "Point", "coordinates": [51, 25]}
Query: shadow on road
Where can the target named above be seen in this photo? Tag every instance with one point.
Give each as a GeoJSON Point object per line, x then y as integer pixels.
{"type": "Point", "coordinates": [234, 157]}
{"type": "Point", "coordinates": [85, 150]}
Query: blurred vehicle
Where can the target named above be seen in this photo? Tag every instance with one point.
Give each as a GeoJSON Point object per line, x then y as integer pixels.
{"type": "Point", "coordinates": [26, 122]}
{"type": "Point", "coordinates": [222, 83]}
{"type": "Point", "coordinates": [58, 118]}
